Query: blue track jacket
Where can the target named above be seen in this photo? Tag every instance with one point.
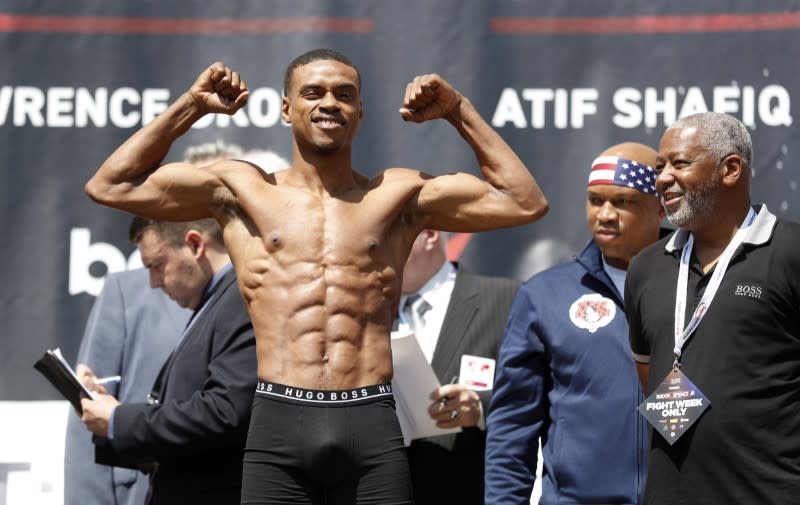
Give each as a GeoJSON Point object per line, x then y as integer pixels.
{"type": "Point", "coordinates": [566, 375]}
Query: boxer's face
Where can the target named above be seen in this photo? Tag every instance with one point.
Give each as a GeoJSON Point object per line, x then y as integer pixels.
{"type": "Point", "coordinates": [323, 105]}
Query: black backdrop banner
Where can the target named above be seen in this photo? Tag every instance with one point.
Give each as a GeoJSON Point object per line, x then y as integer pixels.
{"type": "Point", "coordinates": [560, 81]}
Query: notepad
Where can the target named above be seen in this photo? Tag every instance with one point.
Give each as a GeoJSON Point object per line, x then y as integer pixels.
{"type": "Point", "coordinates": [58, 372]}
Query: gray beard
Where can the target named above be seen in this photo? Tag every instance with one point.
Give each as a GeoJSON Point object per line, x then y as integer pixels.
{"type": "Point", "coordinates": [696, 207]}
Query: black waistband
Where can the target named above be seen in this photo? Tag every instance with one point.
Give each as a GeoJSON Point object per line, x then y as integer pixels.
{"type": "Point", "coordinates": [318, 397]}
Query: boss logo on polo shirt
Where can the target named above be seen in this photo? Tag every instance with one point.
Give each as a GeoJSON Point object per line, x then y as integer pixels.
{"type": "Point", "coordinates": [748, 290]}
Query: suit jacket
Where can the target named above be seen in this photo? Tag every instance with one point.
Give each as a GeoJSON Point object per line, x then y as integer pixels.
{"type": "Point", "coordinates": [130, 331]}
{"type": "Point", "coordinates": [473, 324]}
{"type": "Point", "coordinates": [197, 431]}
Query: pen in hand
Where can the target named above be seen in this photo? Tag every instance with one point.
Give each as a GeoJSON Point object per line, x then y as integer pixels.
{"type": "Point", "coordinates": [444, 399]}
{"type": "Point", "coordinates": [112, 379]}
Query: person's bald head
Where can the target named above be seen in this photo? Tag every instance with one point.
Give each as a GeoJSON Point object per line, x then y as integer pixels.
{"type": "Point", "coordinates": [428, 254]}
{"type": "Point", "coordinates": [622, 209]}
{"type": "Point", "coordinates": [633, 151]}
{"type": "Point", "coordinates": [628, 165]}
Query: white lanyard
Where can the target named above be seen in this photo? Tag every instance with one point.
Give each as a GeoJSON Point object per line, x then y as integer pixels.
{"type": "Point", "coordinates": [681, 334]}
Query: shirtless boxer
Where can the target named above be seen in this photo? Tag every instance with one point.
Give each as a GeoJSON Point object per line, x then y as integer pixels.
{"type": "Point", "coordinates": [319, 251]}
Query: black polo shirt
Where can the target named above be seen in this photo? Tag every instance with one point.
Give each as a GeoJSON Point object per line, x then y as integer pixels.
{"type": "Point", "coordinates": [745, 358]}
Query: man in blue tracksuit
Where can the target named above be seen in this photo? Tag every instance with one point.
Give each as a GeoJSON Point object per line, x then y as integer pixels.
{"type": "Point", "coordinates": [565, 374]}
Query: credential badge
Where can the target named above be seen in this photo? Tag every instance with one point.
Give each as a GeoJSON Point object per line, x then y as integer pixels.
{"type": "Point", "coordinates": [592, 311]}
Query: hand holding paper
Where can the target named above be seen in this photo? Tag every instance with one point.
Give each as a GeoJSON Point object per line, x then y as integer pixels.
{"type": "Point", "coordinates": [58, 372]}
{"type": "Point", "coordinates": [413, 382]}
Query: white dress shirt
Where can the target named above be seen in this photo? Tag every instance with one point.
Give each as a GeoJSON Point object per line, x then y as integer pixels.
{"type": "Point", "coordinates": [437, 293]}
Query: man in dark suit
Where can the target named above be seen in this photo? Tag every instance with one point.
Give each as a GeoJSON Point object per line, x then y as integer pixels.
{"type": "Point", "coordinates": [131, 330]}
{"type": "Point", "coordinates": [455, 314]}
{"type": "Point", "coordinates": [191, 433]}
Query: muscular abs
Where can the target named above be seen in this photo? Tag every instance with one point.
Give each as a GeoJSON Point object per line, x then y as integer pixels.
{"type": "Point", "coordinates": [321, 291]}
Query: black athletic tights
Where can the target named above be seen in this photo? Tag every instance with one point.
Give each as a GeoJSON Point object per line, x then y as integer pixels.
{"type": "Point", "coordinates": [325, 454]}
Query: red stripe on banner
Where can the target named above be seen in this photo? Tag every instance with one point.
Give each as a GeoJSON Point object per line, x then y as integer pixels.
{"type": "Point", "coordinates": [165, 26]}
{"type": "Point", "coordinates": [621, 25]}
{"type": "Point", "coordinates": [456, 245]}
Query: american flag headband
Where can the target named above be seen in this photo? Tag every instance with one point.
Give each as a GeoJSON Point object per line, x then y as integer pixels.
{"type": "Point", "coordinates": [618, 171]}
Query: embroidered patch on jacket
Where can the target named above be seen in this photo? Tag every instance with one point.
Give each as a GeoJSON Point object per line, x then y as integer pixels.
{"type": "Point", "coordinates": [592, 312]}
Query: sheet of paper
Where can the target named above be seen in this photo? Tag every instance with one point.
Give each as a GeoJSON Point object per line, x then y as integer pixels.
{"type": "Point", "coordinates": [57, 353]}
{"type": "Point", "coordinates": [413, 382]}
